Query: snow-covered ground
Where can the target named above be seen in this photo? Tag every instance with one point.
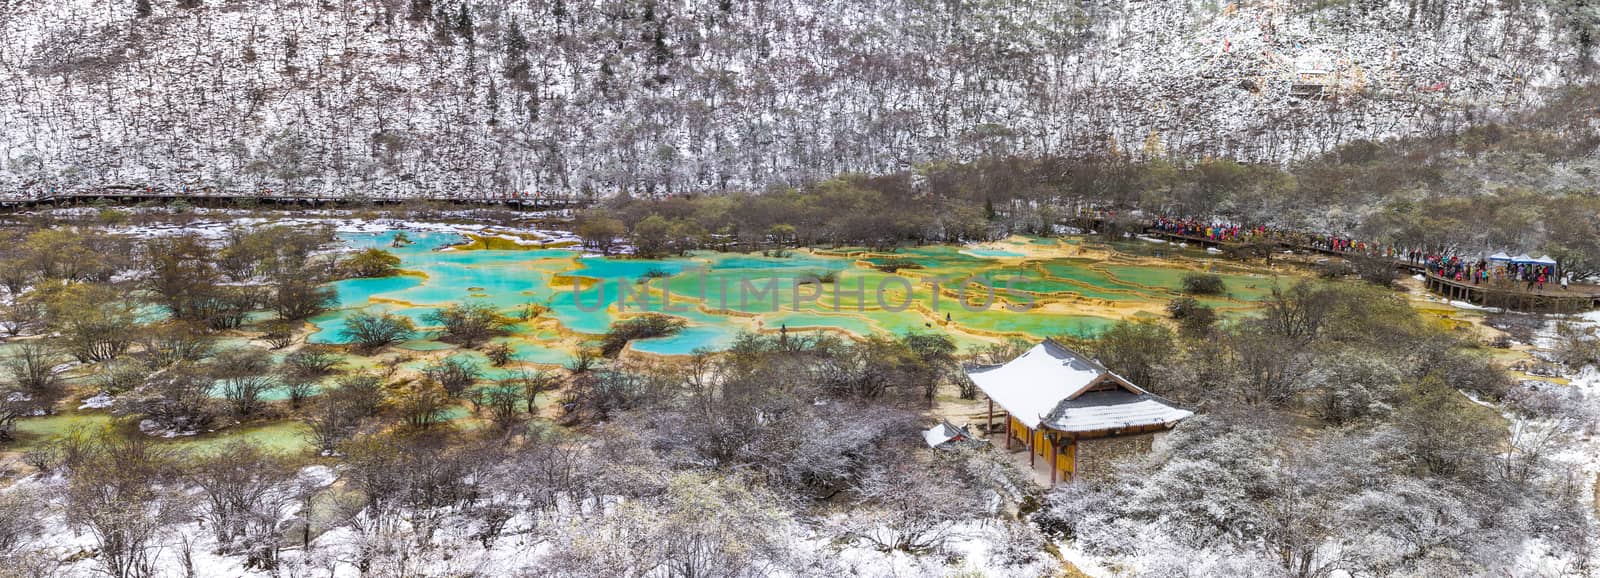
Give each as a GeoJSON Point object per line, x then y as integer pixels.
{"type": "Point", "coordinates": [455, 549]}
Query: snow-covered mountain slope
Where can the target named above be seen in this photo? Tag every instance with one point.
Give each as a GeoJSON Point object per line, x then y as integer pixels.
{"type": "Point", "coordinates": [398, 96]}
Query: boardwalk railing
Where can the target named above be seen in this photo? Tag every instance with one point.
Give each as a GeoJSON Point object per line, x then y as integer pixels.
{"type": "Point", "coordinates": [1508, 295]}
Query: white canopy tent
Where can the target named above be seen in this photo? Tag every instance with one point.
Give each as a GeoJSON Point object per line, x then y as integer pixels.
{"type": "Point", "coordinates": [943, 433]}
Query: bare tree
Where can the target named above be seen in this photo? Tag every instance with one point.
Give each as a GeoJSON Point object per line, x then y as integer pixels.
{"type": "Point", "coordinates": [21, 513]}
{"type": "Point", "coordinates": [96, 322]}
{"type": "Point", "coordinates": [468, 324]}
{"type": "Point", "coordinates": [455, 374]}
{"type": "Point", "coordinates": [176, 398]}
{"type": "Point", "coordinates": [535, 383]}
{"type": "Point", "coordinates": [330, 422]}
{"type": "Point", "coordinates": [32, 366]}
{"type": "Point", "coordinates": [298, 389]}
{"type": "Point", "coordinates": [117, 492]}
{"type": "Point", "coordinates": [168, 343]}
{"type": "Point", "coordinates": [910, 506]}
{"type": "Point", "coordinates": [243, 375]}
{"type": "Point", "coordinates": [421, 404]}
{"type": "Point", "coordinates": [702, 526]}
{"type": "Point", "coordinates": [313, 360]}
{"type": "Point", "coordinates": [373, 332]}
{"type": "Point", "coordinates": [360, 393]}
{"type": "Point", "coordinates": [502, 400]}
{"type": "Point", "coordinates": [21, 316]}
{"type": "Point", "coordinates": [13, 405]}
{"type": "Point", "coordinates": [245, 494]}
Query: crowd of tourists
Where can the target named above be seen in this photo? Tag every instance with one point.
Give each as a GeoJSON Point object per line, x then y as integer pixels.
{"type": "Point", "coordinates": [1220, 232]}
{"type": "Point", "coordinates": [1531, 275]}
{"type": "Point", "coordinates": [1223, 232]}
{"type": "Point", "coordinates": [1497, 269]}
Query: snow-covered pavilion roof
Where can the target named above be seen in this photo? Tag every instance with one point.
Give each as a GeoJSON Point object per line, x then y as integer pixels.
{"type": "Point", "coordinates": [1113, 409]}
{"type": "Point", "coordinates": [1051, 384]}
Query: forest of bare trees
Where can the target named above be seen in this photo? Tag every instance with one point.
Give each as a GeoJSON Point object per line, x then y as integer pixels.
{"type": "Point", "coordinates": [492, 96]}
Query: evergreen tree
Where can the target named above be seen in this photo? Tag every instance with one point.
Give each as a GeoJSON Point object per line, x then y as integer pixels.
{"type": "Point", "coordinates": [464, 22]}
{"type": "Point", "coordinates": [659, 53]}
{"type": "Point", "coordinates": [142, 8]}
{"type": "Point", "coordinates": [516, 41]}
{"type": "Point", "coordinates": [441, 26]}
{"type": "Point", "coordinates": [516, 65]}
{"type": "Point", "coordinates": [494, 103]}
{"type": "Point", "coordinates": [420, 9]}
{"type": "Point", "coordinates": [606, 75]}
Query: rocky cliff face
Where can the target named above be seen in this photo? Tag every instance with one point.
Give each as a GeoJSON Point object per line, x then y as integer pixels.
{"type": "Point", "coordinates": [657, 96]}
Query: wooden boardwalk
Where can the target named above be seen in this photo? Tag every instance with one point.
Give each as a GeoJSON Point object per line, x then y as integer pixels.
{"type": "Point", "coordinates": [134, 195]}
{"type": "Point", "coordinates": [1503, 294]}
{"type": "Point", "coordinates": [1516, 296]}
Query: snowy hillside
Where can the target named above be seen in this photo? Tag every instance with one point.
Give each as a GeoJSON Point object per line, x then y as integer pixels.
{"type": "Point", "coordinates": [674, 95]}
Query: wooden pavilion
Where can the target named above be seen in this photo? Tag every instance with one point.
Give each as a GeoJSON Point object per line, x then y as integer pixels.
{"type": "Point", "coordinates": [1053, 398]}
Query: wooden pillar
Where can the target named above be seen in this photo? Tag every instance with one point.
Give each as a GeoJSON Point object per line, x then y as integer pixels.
{"type": "Point", "coordinates": [1072, 457]}
{"type": "Point", "coordinates": [1055, 459]}
{"type": "Point", "coordinates": [1008, 431]}
{"type": "Point", "coordinates": [1031, 451]}
{"type": "Point", "coordinates": [988, 422]}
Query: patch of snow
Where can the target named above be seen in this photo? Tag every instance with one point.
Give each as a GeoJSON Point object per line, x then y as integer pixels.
{"type": "Point", "coordinates": [101, 400]}
{"type": "Point", "coordinates": [1473, 307]}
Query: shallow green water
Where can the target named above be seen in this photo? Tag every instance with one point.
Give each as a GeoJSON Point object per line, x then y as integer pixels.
{"type": "Point", "coordinates": [35, 429]}
{"type": "Point", "coordinates": [289, 437]}
{"type": "Point", "coordinates": [719, 295]}
{"type": "Point", "coordinates": [994, 253]}
{"type": "Point", "coordinates": [1245, 287]}
{"type": "Point", "coordinates": [284, 436]}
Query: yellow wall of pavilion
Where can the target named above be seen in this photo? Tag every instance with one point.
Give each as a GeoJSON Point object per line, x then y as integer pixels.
{"type": "Point", "coordinates": [1043, 447]}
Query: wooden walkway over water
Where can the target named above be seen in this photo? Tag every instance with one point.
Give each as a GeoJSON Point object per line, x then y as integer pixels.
{"type": "Point", "coordinates": [1508, 295]}
{"type": "Point", "coordinates": [135, 195]}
